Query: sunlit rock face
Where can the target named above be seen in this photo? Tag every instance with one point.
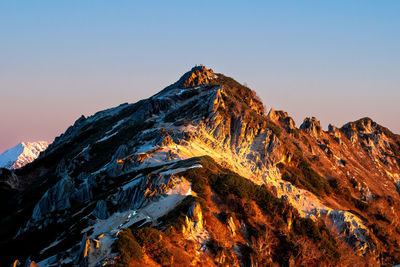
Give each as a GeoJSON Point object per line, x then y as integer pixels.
{"type": "Point", "coordinates": [193, 227]}
{"type": "Point", "coordinates": [312, 126]}
{"type": "Point", "coordinates": [282, 117]}
{"type": "Point", "coordinates": [374, 139]}
{"type": "Point", "coordinates": [196, 76]}
{"type": "Point", "coordinates": [122, 167]}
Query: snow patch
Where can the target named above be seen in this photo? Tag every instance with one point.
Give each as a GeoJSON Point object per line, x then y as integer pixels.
{"type": "Point", "coordinates": [106, 137]}
{"type": "Point", "coordinates": [115, 126]}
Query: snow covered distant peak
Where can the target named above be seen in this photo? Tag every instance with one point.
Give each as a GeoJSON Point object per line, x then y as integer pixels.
{"type": "Point", "coordinates": [22, 154]}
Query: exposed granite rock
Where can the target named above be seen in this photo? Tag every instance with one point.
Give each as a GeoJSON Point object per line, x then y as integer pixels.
{"type": "Point", "coordinates": [196, 76]}
{"type": "Point", "coordinates": [231, 226]}
{"type": "Point", "coordinates": [312, 126]}
{"type": "Point", "coordinates": [366, 194]}
{"type": "Point", "coordinates": [58, 198]}
{"type": "Point", "coordinates": [101, 210]}
{"type": "Point", "coordinates": [335, 132]}
{"type": "Point", "coordinates": [81, 256]}
{"type": "Point", "coordinates": [193, 228]}
{"type": "Point", "coordinates": [377, 141]}
{"type": "Point", "coordinates": [353, 232]}
{"type": "Point", "coordinates": [283, 118]}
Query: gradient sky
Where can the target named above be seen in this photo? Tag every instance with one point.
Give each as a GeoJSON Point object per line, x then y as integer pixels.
{"type": "Point", "coordinates": [335, 60]}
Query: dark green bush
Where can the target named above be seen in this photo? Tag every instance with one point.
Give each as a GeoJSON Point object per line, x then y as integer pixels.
{"type": "Point", "coordinates": [214, 246]}
{"type": "Point", "coordinates": [280, 166]}
{"type": "Point", "coordinates": [247, 254]}
{"type": "Point", "coordinates": [127, 247]}
{"type": "Point", "coordinates": [334, 184]}
{"type": "Point", "coordinates": [296, 133]}
{"type": "Point", "coordinates": [232, 183]}
{"type": "Point", "coordinates": [316, 181]}
{"type": "Point", "coordinates": [176, 217]}
{"type": "Point", "coordinates": [304, 176]}
{"type": "Point", "coordinates": [380, 233]}
{"type": "Point", "coordinates": [256, 230]}
{"type": "Point", "coordinates": [305, 140]}
{"type": "Point", "coordinates": [381, 217]}
{"type": "Point", "coordinates": [353, 182]}
{"type": "Point", "coordinates": [319, 233]}
{"type": "Point", "coordinates": [147, 236]}
{"type": "Point", "coordinates": [359, 204]}
{"type": "Point", "coordinates": [150, 239]}
{"type": "Point", "coordinates": [274, 128]}
{"type": "Point", "coordinates": [163, 256]}
{"type": "Point", "coordinates": [306, 226]}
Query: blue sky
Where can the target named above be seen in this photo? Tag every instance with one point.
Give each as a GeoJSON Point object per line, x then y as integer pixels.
{"type": "Point", "coordinates": [335, 60]}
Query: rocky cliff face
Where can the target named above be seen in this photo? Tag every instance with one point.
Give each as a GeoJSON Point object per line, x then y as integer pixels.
{"type": "Point", "coordinates": [124, 168]}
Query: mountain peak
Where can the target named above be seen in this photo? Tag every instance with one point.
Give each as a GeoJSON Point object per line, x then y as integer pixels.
{"type": "Point", "coordinates": [21, 154]}
{"type": "Point", "coordinates": [204, 139]}
{"type": "Point", "coordinates": [198, 75]}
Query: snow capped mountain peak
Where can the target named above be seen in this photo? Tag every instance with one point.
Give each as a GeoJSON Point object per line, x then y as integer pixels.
{"type": "Point", "coordinates": [22, 154]}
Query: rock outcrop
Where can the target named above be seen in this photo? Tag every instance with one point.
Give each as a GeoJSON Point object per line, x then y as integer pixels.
{"type": "Point", "coordinates": [196, 76]}
{"type": "Point", "coordinates": [280, 116]}
{"type": "Point", "coordinates": [312, 126]}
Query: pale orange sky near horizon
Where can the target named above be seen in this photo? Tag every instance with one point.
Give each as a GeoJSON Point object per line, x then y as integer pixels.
{"type": "Point", "coordinates": [336, 61]}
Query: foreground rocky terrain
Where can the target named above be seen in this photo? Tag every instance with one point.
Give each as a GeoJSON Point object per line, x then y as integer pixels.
{"type": "Point", "coordinates": [201, 174]}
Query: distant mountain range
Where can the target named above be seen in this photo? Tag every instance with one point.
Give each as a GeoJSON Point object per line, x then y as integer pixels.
{"type": "Point", "coordinates": [200, 174]}
{"type": "Point", "coordinates": [21, 154]}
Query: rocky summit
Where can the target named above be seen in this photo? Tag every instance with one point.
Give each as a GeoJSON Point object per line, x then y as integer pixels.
{"type": "Point", "coordinates": [200, 175]}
